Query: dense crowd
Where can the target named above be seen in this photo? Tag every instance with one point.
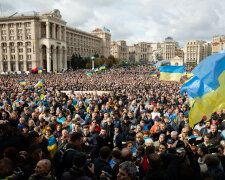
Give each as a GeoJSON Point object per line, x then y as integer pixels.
{"type": "Point", "coordinates": [138, 128]}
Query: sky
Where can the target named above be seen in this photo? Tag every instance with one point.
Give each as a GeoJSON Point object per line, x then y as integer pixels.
{"type": "Point", "coordinates": [135, 20]}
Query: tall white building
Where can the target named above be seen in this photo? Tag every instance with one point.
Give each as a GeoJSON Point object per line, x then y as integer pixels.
{"type": "Point", "coordinates": [195, 51]}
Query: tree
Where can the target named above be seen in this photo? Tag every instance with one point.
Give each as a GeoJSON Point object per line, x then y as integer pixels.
{"type": "Point", "coordinates": [73, 61]}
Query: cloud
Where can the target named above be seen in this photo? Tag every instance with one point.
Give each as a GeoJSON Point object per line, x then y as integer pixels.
{"type": "Point", "coordinates": [133, 20]}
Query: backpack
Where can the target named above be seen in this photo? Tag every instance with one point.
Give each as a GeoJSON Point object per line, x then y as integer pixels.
{"type": "Point", "coordinates": [58, 161]}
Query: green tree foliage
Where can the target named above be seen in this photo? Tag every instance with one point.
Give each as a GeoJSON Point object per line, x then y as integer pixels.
{"type": "Point", "coordinates": [77, 62]}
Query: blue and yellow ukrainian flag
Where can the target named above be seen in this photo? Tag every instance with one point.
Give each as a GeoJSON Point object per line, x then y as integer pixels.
{"type": "Point", "coordinates": [52, 146]}
{"type": "Point", "coordinates": [102, 67]}
{"type": "Point", "coordinates": [40, 83]}
{"type": "Point", "coordinates": [206, 89]}
{"type": "Point", "coordinates": [39, 70]}
{"type": "Point", "coordinates": [89, 73]}
{"type": "Point", "coordinates": [96, 69]}
{"type": "Point", "coordinates": [171, 73]}
{"type": "Point", "coordinates": [154, 74]}
{"type": "Point", "coordinates": [22, 82]}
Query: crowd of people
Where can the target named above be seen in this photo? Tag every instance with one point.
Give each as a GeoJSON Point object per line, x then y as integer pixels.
{"type": "Point", "coordinates": [117, 124]}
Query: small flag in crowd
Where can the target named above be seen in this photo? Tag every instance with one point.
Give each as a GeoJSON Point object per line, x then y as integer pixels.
{"type": "Point", "coordinates": [96, 69]}
{"type": "Point", "coordinates": [102, 67]}
{"type": "Point", "coordinates": [40, 83]}
{"type": "Point", "coordinates": [89, 73]}
{"type": "Point", "coordinates": [22, 82]}
{"type": "Point", "coordinates": [154, 74]}
{"type": "Point", "coordinates": [39, 70]}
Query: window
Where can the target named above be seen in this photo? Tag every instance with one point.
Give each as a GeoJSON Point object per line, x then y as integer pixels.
{"type": "Point", "coordinates": [27, 24]}
{"type": "Point", "coordinates": [11, 25]}
{"type": "Point", "coordinates": [28, 50]}
{"type": "Point", "coordinates": [3, 38]}
{"type": "Point", "coordinates": [11, 31]}
{"type": "Point", "coordinates": [4, 57]}
{"type": "Point", "coordinates": [13, 57]}
{"type": "Point", "coordinates": [28, 43]}
{"type": "Point", "coordinates": [11, 38]}
{"type": "Point", "coordinates": [11, 44]}
{"type": "Point", "coordinates": [19, 37]}
{"type": "Point", "coordinates": [3, 25]}
{"type": "Point", "coordinates": [19, 31]}
{"type": "Point", "coordinates": [4, 50]}
{"type": "Point", "coordinates": [28, 37]}
{"type": "Point", "coordinates": [12, 50]}
{"type": "Point", "coordinates": [28, 57]}
{"type": "Point", "coordinates": [20, 57]}
{"type": "Point", "coordinates": [28, 31]}
{"type": "Point", "coordinates": [5, 67]}
{"type": "Point", "coordinates": [21, 66]}
{"type": "Point", "coordinates": [3, 31]}
{"type": "Point", "coordinates": [29, 66]}
{"type": "Point", "coordinates": [20, 44]}
{"type": "Point", "coordinates": [20, 50]}
{"type": "Point", "coordinates": [19, 24]}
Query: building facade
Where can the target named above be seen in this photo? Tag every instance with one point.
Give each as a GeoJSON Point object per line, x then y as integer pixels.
{"type": "Point", "coordinates": [140, 52]}
{"type": "Point", "coordinates": [43, 40]}
{"type": "Point", "coordinates": [120, 50]}
{"type": "Point", "coordinates": [168, 48]}
{"type": "Point", "coordinates": [195, 51]}
{"type": "Point", "coordinates": [218, 43]}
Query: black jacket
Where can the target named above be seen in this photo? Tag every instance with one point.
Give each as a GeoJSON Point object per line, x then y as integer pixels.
{"type": "Point", "coordinates": [215, 138]}
{"type": "Point", "coordinates": [100, 166]}
{"type": "Point", "coordinates": [76, 174]}
{"type": "Point", "coordinates": [119, 141]}
{"type": "Point", "coordinates": [103, 141]}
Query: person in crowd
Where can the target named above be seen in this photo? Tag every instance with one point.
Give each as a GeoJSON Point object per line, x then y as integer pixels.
{"type": "Point", "coordinates": [135, 116]}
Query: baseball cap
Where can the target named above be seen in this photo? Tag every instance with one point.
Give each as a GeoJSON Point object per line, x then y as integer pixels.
{"type": "Point", "coordinates": [170, 141]}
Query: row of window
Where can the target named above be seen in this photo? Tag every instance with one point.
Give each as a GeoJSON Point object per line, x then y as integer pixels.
{"type": "Point", "coordinates": [12, 25]}
{"type": "Point", "coordinates": [20, 50]}
{"type": "Point", "coordinates": [11, 38]}
{"type": "Point", "coordinates": [13, 66]}
{"type": "Point", "coordinates": [13, 57]}
{"type": "Point", "coordinates": [18, 44]}
{"type": "Point", "coordinates": [19, 31]}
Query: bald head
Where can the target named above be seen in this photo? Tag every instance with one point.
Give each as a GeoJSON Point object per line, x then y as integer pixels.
{"type": "Point", "coordinates": [43, 167]}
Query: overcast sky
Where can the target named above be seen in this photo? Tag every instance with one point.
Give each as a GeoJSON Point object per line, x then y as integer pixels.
{"type": "Point", "coordinates": [135, 20]}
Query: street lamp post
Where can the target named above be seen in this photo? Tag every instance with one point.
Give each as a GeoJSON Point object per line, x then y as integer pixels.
{"type": "Point", "coordinates": [93, 62]}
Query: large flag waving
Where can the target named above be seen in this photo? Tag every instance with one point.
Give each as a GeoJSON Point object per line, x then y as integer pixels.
{"type": "Point", "coordinates": [171, 73]}
{"type": "Point", "coordinates": [206, 89]}
{"type": "Point", "coordinates": [40, 83]}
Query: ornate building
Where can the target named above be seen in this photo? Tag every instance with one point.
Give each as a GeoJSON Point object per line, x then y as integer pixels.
{"type": "Point", "coordinates": [120, 50]}
{"type": "Point", "coordinates": [43, 40]}
{"type": "Point", "coordinates": [195, 51]}
{"type": "Point", "coordinates": [168, 48]}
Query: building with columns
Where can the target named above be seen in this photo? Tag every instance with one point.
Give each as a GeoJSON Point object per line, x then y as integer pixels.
{"type": "Point", "coordinates": [195, 51]}
{"type": "Point", "coordinates": [168, 48]}
{"type": "Point", "coordinates": [140, 51]}
{"type": "Point", "coordinates": [35, 40]}
{"type": "Point", "coordinates": [120, 50]}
